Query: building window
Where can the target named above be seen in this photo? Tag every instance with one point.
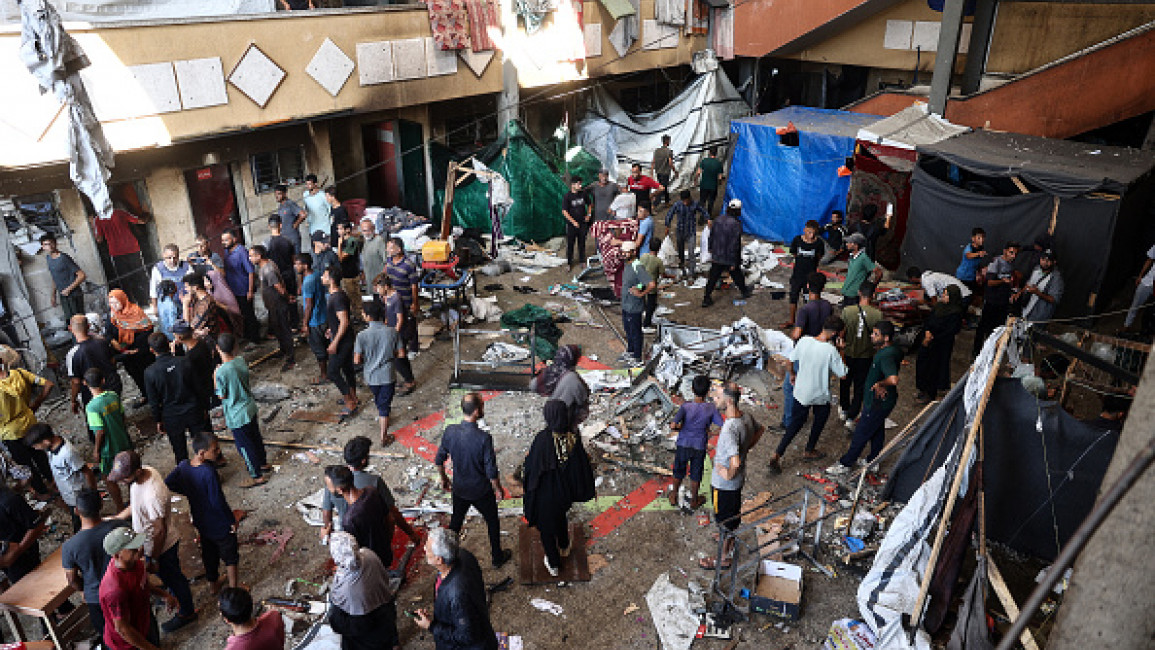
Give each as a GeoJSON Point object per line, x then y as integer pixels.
{"type": "Point", "coordinates": [29, 217]}
{"type": "Point", "coordinates": [282, 166]}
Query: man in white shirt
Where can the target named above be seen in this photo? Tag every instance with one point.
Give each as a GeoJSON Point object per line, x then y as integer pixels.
{"type": "Point", "coordinates": [934, 283]}
{"type": "Point", "coordinates": [624, 205]}
{"type": "Point", "coordinates": [1144, 285]}
{"type": "Point", "coordinates": [1044, 289]}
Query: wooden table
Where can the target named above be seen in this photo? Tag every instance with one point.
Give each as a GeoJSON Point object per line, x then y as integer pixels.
{"type": "Point", "coordinates": [39, 594]}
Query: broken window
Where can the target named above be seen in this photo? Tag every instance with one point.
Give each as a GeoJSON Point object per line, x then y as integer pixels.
{"type": "Point", "coordinates": [29, 217]}
{"type": "Point", "coordinates": [274, 167]}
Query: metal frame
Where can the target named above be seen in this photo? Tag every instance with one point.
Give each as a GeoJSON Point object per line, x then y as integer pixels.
{"type": "Point", "coordinates": [458, 363]}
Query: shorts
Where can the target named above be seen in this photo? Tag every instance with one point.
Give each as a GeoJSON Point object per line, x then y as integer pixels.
{"type": "Point", "coordinates": [727, 506]}
{"type": "Point", "coordinates": [383, 398]}
{"type": "Point", "coordinates": [692, 458]}
{"type": "Point", "coordinates": [318, 343]}
{"type": "Point", "coordinates": [226, 549]}
{"type": "Point", "coordinates": [797, 286]}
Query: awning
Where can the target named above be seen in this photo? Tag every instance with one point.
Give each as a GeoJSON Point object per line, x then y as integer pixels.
{"type": "Point", "coordinates": [909, 128]}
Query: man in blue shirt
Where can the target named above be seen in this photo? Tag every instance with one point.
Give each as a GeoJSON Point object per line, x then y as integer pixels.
{"type": "Point", "coordinates": [241, 278]}
{"type": "Point", "coordinates": [313, 317]}
{"type": "Point", "coordinates": [645, 228]}
{"type": "Point", "coordinates": [476, 481]}
{"type": "Point", "coordinates": [197, 480]}
{"type": "Point", "coordinates": [686, 211]}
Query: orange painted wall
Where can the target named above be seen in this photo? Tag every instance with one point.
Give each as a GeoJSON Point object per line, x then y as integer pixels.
{"type": "Point", "coordinates": [763, 26]}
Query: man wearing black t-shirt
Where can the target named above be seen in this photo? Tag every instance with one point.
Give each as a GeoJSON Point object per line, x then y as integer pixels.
{"type": "Point", "coordinates": [370, 515]}
{"type": "Point", "coordinates": [575, 208]}
{"type": "Point", "coordinates": [807, 250]}
{"type": "Point", "coordinates": [341, 336]}
{"type": "Point", "coordinates": [89, 352]}
{"type": "Point", "coordinates": [83, 556]}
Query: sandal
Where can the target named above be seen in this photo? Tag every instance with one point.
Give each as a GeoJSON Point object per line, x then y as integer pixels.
{"type": "Point", "coordinates": [711, 563]}
{"type": "Point", "coordinates": [388, 440]}
{"type": "Point", "coordinates": [409, 388]}
{"type": "Point", "coordinates": [254, 482]}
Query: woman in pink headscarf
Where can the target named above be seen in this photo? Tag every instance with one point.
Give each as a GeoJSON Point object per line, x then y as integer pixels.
{"type": "Point", "coordinates": [609, 236]}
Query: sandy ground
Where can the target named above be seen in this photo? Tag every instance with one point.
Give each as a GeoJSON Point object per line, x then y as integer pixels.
{"type": "Point", "coordinates": [640, 550]}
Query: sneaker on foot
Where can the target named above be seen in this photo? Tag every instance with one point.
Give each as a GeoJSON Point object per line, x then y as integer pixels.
{"type": "Point", "coordinates": [850, 424]}
{"type": "Point", "coordinates": [553, 571]}
{"type": "Point", "coordinates": [775, 467]}
{"type": "Point", "coordinates": [506, 556]}
{"type": "Point", "coordinates": [177, 622]}
{"type": "Point", "coordinates": [706, 302]}
{"type": "Point", "coordinates": [837, 469]}
{"type": "Point", "coordinates": [649, 330]}
{"type": "Point", "coordinates": [842, 414]}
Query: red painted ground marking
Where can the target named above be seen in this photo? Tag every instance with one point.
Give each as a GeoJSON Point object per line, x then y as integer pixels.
{"type": "Point", "coordinates": [409, 435]}
{"type": "Point", "coordinates": [626, 507]}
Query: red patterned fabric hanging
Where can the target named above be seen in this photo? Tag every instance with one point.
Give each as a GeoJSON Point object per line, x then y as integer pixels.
{"type": "Point", "coordinates": [483, 16]}
{"type": "Point", "coordinates": [449, 23]}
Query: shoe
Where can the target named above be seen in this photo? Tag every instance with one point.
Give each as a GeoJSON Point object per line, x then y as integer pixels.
{"type": "Point", "coordinates": [747, 293]}
{"type": "Point", "coordinates": [813, 455]}
{"type": "Point", "coordinates": [566, 551]}
{"type": "Point", "coordinates": [553, 571]}
{"type": "Point", "coordinates": [850, 424]}
{"type": "Point", "coordinates": [506, 556]}
{"type": "Point", "coordinates": [177, 622]}
{"type": "Point", "coordinates": [837, 469]}
{"type": "Point", "coordinates": [842, 414]}
{"type": "Point", "coordinates": [649, 330]}
{"type": "Point", "coordinates": [775, 467]}
{"type": "Point", "coordinates": [706, 302]}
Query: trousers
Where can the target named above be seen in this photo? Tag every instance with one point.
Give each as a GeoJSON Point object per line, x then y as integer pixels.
{"type": "Point", "coordinates": [340, 368]}
{"type": "Point", "coordinates": [251, 447]}
{"type": "Point", "coordinates": [799, 413]}
{"type": "Point", "coordinates": [554, 530]}
{"type": "Point", "coordinates": [851, 387]}
{"type": "Point", "coordinates": [632, 324]}
{"type": "Point", "coordinates": [487, 506]}
{"type": "Point", "coordinates": [575, 236]}
{"type": "Point", "coordinates": [871, 428]}
{"type": "Point", "coordinates": [168, 570]}
{"type": "Point", "coordinates": [716, 271]}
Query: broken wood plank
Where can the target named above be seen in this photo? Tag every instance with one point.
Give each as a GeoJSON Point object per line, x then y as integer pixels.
{"type": "Point", "coordinates": [1008, 601]}
{"type": "Point", "coordinates": [1019, 184]}
{"type": "Point", "coordinates": [644, 467]}
{"type": "Point", "coordinates": [318, 417]}
{"type": "Point", "coordinates": [263, 358]}
{"type": "Point", "coordinates": [298, 445]}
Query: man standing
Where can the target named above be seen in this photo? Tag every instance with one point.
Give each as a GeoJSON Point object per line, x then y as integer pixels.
{"type": "Point", "coordinates": [313, 315]}
{"type": "Point", "coordinates": [664, 169]}
{"type": "Point", "coordinates": [175, 408]}
{"type": "Point", "coordinates": [340, 350]}
{"type": "Point", "coordinates": [150, 507]}
{"type": "Point", "coordinates": [69, 471]}
{"type": "Point", "coordinates": [323, 254]}
{"type": "Point", "coordinates": [575, 209]}
{"type": "Point", "coordinates": [66, 277]}
{"type": "Point", "coordinates": [835, 234]}
{"type": "Point", "coordinates": [738, 435]}
{"type": "Point", "coordinates": [686, 212]}
{"type": "Point", "coordinates": [814, 313]}
{"type": "Point", "coordinates": [602, 194]}
{"type": "Point", "coordinates": [240, 410]}
{"type": "Point", "coordinates": [170, 268]}
{"type": "Point", "coordinates": [125, 593]}
{"type": "Point", "coordinates": [316, 210]}
{"type": "Point", "coordinates": [403, 272]}
{"type": "Point", "coordinates": [374, 350]}
{"type": "Point", "coordinates": [281, 250]}
{"type": "Point", "coordinates": [726, 252]}
{"type": "Point", "coordinates": [203, 259]}
{"type": "Point", "coordinates": [349, 255]}
{"type": "Point", "coordinates": [882, 386]}
{"type": "Point", "coordinates": [337, 212]}
{"type": "Point", "coordinates": [636, 285]}
{"type": "Point", "coordinates": [198, 355]}
{"type": "Point", "coordinates": [89, 352]}
{"type": "Point", "coordinates": [198, 481]}
{"type": "Point", "coordinates": [83, 556]}
{"type": "Point", "coordinates": [370, 516]}
{"type": "Point", "coordinates": [460, 617]}
{"type": "Point", "coordinates": [641, 186]}
{"type": "Point", "coordinates": [858, 320]}
{"type": "Point", "coordinates": [707, 175]}
{"type": "Point", "coordinates": [858, 269]}
{"type": "Point", "coordinates": [374, 252]}
{"type": "Point", "coordinates": [105, 417]}
{"type": "Point", "coordinates": [476, 481]}
{"type": "Point", "coordinates": [807, 251]}
{"type": "Point", "coordinates": [20, 531]}
{"type": "Point", "coordinates": [276, 299]}
{"type": "Point", "coordinates": [645, 229]}
{"type": "Point", "coordinates": [241, 278]}
{"type": "Point", "coordinates": [356, 456]}
{"type": "Point", "coordinates": [1043, 291]}
{"type": "Point", "coordinates": [288, 211]}
{"type": "Point", "coordinates": [1000, 281]}
{"type": "Point", "coordinates": [815, 359]}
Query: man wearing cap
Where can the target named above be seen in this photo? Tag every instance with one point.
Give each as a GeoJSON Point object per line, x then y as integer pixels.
{"type": "Point", "coordinates": [1043, 291]}
{"type": "Point", "coordinates": [858, 269]}
{"type": "Point", "coordinates": [124, 594]}
{"type": "Point", "coordinates": [726, 251]}
{"type": "Point", "coordinates": [602, 193]}
{"type": "Point", "coordinates": [281, 249]}
{"type": "Point", "coordinates": [168, 383]}
{"type": "Point", "coordinates": [150, 508]}
{"type": "Point", "coordinates": [287, 212]}
{"type": "Point", "coordinates": [323, 254]}
{"type": "Point", "coordinates": [636, 285]}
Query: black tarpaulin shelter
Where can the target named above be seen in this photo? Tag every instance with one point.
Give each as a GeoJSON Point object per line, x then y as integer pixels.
{"type": "Point", "coordinates": [1042, 467]}
{"type": "Point", "coordinates": [1096, 201]}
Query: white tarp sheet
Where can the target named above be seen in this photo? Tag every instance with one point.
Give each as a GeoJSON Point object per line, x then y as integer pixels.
{"type": "Point", "coordinates": [697, 119]}
{"type": "Point", "coordinates": [910, 127]}
{"type": "Point", "coordinates": [95, 11]}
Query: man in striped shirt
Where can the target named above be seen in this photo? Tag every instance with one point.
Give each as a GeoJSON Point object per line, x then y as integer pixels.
{"type": "Point", "coordinates": [403, 272]}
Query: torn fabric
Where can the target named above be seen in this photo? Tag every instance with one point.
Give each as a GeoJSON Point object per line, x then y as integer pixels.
{"type": "Point", "coordinates": [484, 21]}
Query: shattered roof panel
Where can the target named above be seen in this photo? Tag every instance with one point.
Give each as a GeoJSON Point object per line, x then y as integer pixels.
{"type": "Point", "coordinates": [909, 128]}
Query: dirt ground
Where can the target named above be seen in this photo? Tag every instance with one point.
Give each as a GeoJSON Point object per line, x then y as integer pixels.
{"type": "Point", "coordinates": [637, 552]}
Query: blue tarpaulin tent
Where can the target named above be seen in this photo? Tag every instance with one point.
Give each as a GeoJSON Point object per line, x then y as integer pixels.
{"type": "Point", "coordinates": [782, 186]}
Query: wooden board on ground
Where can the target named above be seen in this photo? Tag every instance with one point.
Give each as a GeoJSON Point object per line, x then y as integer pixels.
{"type": "Point", "coordinates": [531, 563]}
{"type": "Point", "coordinates": [42, 590]}
{"type": "Point", "coordinates": [320, 416]}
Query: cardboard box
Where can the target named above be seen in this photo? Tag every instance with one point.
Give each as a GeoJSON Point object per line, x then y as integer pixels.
{"type": "Point", "coordinates": [778, 591]}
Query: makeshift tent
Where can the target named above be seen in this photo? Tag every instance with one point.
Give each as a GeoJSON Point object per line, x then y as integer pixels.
{"type": "Point", "coordinates": [537, 185]}
{"type": "Point", "coordinates": [697, 119]}
{"type": "Point", "coordinates": [1092, 198]}
{"type": "Point", "coordinates": [883, 161]}
{"type": "Point", "coordinates": [783, 186]}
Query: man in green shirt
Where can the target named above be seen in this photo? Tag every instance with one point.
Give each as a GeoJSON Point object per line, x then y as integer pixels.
{"type": "Point", "coordinates": [105, 416]}
{"type": "Point", "coordinates": [859, 268]}
{"type": "Point", "coordinates": [240, 410]}
{"type": "Point", "coordinates": [881, 396]}
{"type": "Point", "coordinates": [858, 321]}
{"type": "Point", "coordinates": [707, 174]}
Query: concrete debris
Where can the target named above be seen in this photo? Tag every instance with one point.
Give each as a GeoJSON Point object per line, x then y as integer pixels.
{"type": "Point", "coordinates": [485, 309]}
{"type": "Point", "coordinates": [498, 353]}
{"type": "Point", "coordinates": [270, 392]}
{"type": "Point", "coordinates": [544, 605]}
{"type": "Point", "coordinates": [310, 508]}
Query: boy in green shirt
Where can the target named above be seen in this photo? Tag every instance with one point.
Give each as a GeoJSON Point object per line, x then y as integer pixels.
{"type": "Point", "coordinates": [656, 269]}
{"type": "Point", "coordinates": [232, 385]}
{"type": "Point", "coordinates": [105, 417]}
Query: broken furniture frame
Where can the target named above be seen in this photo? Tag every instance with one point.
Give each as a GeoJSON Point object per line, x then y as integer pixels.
{"type": "Point", "coordinates": [728, 582]}
{"type": "Point", "coordinates": [513, 380]}
{"type": "Point", "coordinates": [708, 345]}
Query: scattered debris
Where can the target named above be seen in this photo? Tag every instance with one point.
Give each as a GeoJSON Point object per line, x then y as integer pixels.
{"type": "Point", "coordinates": [631, 609]}
{"type": "Point", "coordinates": [670, 610]}
{"type": "Point", "coordinates": [270, 392]}
{"type": "Point", "coordinates": [543, 605]}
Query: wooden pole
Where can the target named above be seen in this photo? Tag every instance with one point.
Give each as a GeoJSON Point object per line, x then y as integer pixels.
{"type": "Point", "coordinates": [956, 483]}
{"type": "Point", "coordinates": [1000, 588]}
{"type": "Point", "coordinates": [298, 445]}
{"type": "Point", "coordinates": [447, 212]}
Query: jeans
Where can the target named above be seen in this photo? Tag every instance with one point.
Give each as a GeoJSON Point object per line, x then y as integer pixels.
{"type": "Point", "coordinates": [251, 447]}
{"type": "Point", "coordinates": [575, 236]}
{"type": "Point", "coordinates": [706, 198]}
{"type": "Point", "coordinates": [487, 506]}
{"type": "Point", "coordinates": [72, 304]}
{"type": "Point", "coordinates": [686, 245]}
{"type": "Point", "coordinates": [340, 368]}
{"type": "Point", "coordinates": [651, 303]}
{"type": "Point", "coordinates": [632, 324]}
{"type": "Point", "coordinates": [855, 380]}
{"type": "Point", "coordinates": [716, 271]}
{"type": "Point", "coordinates": [871, 428]}
{"type": "Point", "coordinates": [1142, 295]}
{"type": "Point", "coordinates": [96, 618]}
{"type": "Point", "coordinates": [800, 413]}
{"type": "Point", "coordinates": [787, 400]}
{"type": "Point", "coordinates": [168, 570]}
{"type": "Point", "coordinates": [179, 430]}
{"type": "Point", "coordinates": [554, 530]}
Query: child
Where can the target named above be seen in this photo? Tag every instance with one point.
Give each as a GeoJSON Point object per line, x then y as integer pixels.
{"type": "Point", "coordinates": [231, 379]}
{"type": "Point", "coordinates": [105, 416]}
{"type": "Point", "coordinates": [167, 307]}
{"type": "Point", "coordinates": [68, 469]}
{"type": "Point", "coordinates": [656, 269]}
{"type": "Point", "coordinates": [692, 422]}
{"type": "Point", "coordinates": [973, 260]}
{"type": "Point", "coordinates": [197, 479]}
{"type": "Point", "coordinates": [376, 348]}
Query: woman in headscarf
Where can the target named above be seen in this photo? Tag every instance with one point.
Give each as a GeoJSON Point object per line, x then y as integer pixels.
{"type": "Point", "coordinates": [560, 380]}
{"type": "Point", "coordinates": [944, 322]}
{"type": "Point", "coordinates": [557, 474]}
{"type": "Point", "coordinates": [362, 609]}
{"type": "Point", "coordinates": [215, 283]}
{"type": "Point", "coordinates": [129, 337]}
{"type": "Point", "coordinates": [609, 236]}
{"type": "Point", "coordinates": [202, 312]}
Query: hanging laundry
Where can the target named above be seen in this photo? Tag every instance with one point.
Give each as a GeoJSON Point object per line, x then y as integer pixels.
{"type": "Point", "coordinates": [724, 32]}
{"type": "Point", "coordinates": [699, 13]}
{"type": "Point", "coordinates": [484, 16]}
{"type": "Point", "coordinates": [625, 32]}
{"type": "Point", "coordinates": [670, 12]}
{"type": "Point", "coordinates": [533, 12]}
{"type": "Point", "coordinates": [449, 22]}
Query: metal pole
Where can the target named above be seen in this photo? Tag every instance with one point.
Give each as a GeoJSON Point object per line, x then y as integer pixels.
{"type": "Point", "coordinates": [948, 37]}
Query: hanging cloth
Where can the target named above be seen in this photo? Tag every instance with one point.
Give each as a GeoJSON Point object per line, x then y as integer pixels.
{"type": "Point", "coordinates": [724, 32]}
{"type": "Point", "coordinates": [670, 12]}
{"type": "Point", "coordinates": [449, 23]}
{"type": "Point", "coordinates": [625, 31]}
{"type": "Point", "coordinates": [484, 19]}
{"type": "Point", "coordinates": [700, 17]}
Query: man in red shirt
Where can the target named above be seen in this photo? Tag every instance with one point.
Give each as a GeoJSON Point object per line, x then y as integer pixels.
{"type": "Point", "coordinates": [642, 185]}
{"type": "Point", "coordinates": [124, 251]}
{"type": "Point", "coordinates": [124, 594]}
{"type": "Point", "coordinates": [266, 632]}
